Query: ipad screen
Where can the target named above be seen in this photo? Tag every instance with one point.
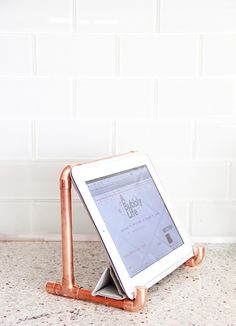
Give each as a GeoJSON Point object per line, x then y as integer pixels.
{"type": "Point", "coordinates": [136, 217]}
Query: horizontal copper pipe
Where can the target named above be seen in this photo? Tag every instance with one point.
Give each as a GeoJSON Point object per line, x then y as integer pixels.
{"type": "Point", "coordinates": [84, 294]}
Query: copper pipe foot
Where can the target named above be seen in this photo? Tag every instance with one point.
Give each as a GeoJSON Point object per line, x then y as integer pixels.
{"type": "Point", "coordinates": [199, 253]}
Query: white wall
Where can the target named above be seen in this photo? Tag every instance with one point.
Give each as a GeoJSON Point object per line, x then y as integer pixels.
{"type": "Point", "coordinates": [88, 78]}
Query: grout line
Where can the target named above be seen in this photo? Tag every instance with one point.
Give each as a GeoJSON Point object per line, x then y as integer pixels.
{"type": "Point", "coordinates": [194, 140]}
{"type": "Point", "coordinates": [32, 209]}
{"type": "Point", "coordinates": [79, 77]}
{"type": "Point", "coordinates": [189, 214]}
{"type": "Point", "coordinates": [56, 237]}
{"type": "Point", "coordinates": [200, 55]}
{"type": "Point", "coordinates": [78, 201]}
{"type": "Point", "coordinates": [29, 200]}
{"type": "Point", "coordinates": [155, 99]}
{"type": "Point", "coordinates": [67, 160]}
{"type": "Point", "coordinates": [157, 16]}
{"type": "Point", "coordinates": [75, 98]}
{"type": "Point", "coordinates": [113, 146]}
{"type": "Point", "coordinates": [117, 56]}
{"type": "Point", "coordinates": [34, 55]}
{"type": "Point", "coordinates": [213, 239]}
{"type": "Point", "coordinates": [33, 139]}
{"type": "Point", "coordinates": [48, 159]}
{"type": "Point", "coordinates": [74, 15]}
{"type": "Point", "coordinates": [95, 238]}
{"type": "Point", "coordinates": [124, 33]}
{"type": "Point", "coordinates": [229, 183]}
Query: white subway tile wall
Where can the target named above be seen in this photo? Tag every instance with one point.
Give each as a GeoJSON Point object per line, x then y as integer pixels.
{"type": "Point", "coordinates": [216, 139]}
{"type": "Point", "coordinates": [16, 139]}
{"type": "Point", "coordinates": [36, 16]}
{"type": "Point", "coordinates": [67, 139]}
{"type": "Point", "coordinates": [158, 55]}
{"type": "Point", "coordinates": [218, 54]}
{"type": "Point", "coordinates": [207, 219]}
{"type": "Point", "coordinates": [112, 16]}
{"type": "Point", "coordinates": [162, 139]}
{"type": "Point", "coordinates": [82, 79]}
{"type": "Point", "coordinates": [76, 55]}
{"type": "Point", "coordinates": [16, 54]}
{"type": "Point", "coordinates": [201, 16]}
{"type": "Point", "coordinates": [36, 97]}
{"type": "Point", "coordinates": [196, 97]}
{"type": "Point", "coordinates": [115, 98]}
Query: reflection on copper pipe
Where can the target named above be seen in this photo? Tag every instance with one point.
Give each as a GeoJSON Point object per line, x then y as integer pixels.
{"type": "Point", "coordinates": [66, 228]}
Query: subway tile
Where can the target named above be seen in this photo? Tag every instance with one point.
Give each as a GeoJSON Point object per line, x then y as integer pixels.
{"type": "Point", "coordinates": [194, 179]}
{"type": "Point", "coordinates": [15, 54]}
{"type": "Point", "coordinates": [213, 219]}
{"type": "Point", "coordinates": [218, 54]}
{"type": "Point", "coordinates": [200, 16]}
{"type": "Point", "coordinates": [215, 139]}
{"type": "Point", "coordinates": [74, 54]}
{"type": "Point", "coordinates": [77, 139]}
{"type": "Point", "coordinates": [201, 97]}
{"type": "Point", "coordinates": [47, 220]}
{"type": "Point", "coordinates": [36, 97]}
{"type": "Point", "coordinates": [82, 222]}
{"type": "Point", "coordinates": [163, 140]}
{"type": "Point", "coordinates": [115, 98]}
{"type": "Point", "coordinates": [112, 16]}
{"type": "Point", "coordinates": [158, 55]}
{"type": "Point", "coordinates": [233, 181]}
{"type": "Point", "coordinates": [36, 16]}
{"type": "Point", "coordinates": [15, 219]}
{"type": "Point", "coordinates": [30, 179]}
{"type": "Point", "coordinates": [181, 210]}
{"type": "Point", "coordinates": [16, 139]}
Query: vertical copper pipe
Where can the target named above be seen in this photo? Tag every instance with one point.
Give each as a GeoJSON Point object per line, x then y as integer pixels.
{"type": "Point", "coordinates": [68, 279]}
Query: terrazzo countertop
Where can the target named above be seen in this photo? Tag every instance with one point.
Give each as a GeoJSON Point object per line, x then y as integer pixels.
{"type": "Point", "coordinates": [204, 295]}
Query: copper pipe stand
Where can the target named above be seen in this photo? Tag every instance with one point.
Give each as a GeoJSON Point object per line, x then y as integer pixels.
{"type": "Point", "coordinates": [68, 288]}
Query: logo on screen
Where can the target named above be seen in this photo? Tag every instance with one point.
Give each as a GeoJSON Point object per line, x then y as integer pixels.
{"type": "Point", "coordinates": [131, 206]}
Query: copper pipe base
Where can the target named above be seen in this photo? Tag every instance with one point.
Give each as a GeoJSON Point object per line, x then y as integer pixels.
{"type": "Point", "coordinates": [82, 294]}
{"type": "Point", "coordinates": [68, 287]}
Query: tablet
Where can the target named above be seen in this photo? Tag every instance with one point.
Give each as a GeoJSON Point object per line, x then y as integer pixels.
{"type": "Point", "coordinates": [134, 218]}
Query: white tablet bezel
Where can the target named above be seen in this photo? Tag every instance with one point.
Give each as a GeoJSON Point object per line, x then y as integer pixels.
{"type": "Point", "coordinates": [152, 274]}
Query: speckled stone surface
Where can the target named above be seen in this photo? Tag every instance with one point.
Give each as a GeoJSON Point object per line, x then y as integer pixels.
{"type": "Point", "coordinates": [204, 295]}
